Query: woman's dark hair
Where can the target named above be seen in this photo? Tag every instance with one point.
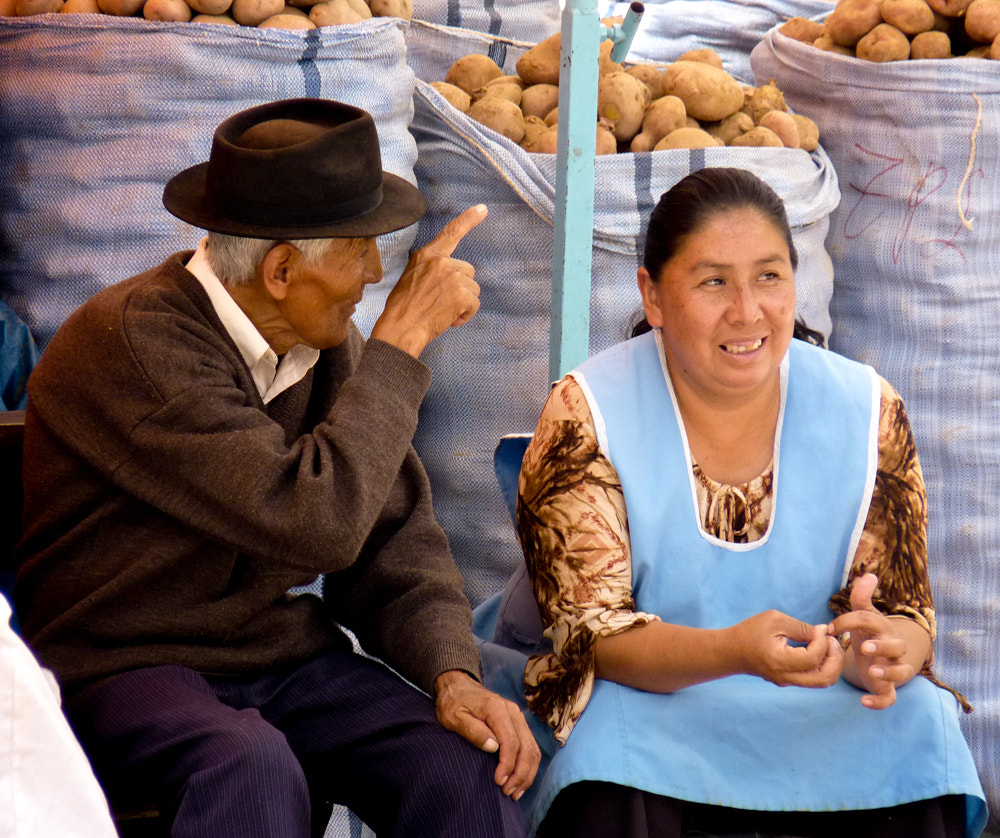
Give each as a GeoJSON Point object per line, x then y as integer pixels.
{"type": "Point", "coordinates": [690, 203]}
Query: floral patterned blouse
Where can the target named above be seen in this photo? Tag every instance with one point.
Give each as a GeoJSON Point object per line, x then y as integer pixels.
{"type": "Point", "coordinates": [574, 530]}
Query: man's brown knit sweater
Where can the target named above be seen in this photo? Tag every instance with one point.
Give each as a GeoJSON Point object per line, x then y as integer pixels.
{"type": "Point", "coordinates": [168, 510]}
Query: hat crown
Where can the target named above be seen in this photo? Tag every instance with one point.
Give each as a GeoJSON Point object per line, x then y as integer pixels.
{"type": "Point", "coordinates": [282, 132]}
{"type": "Point", "coordinates": [309, 165]}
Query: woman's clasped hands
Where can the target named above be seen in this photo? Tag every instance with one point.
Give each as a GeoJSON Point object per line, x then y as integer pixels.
{"type": "Point", "coordinates": [883, 654]}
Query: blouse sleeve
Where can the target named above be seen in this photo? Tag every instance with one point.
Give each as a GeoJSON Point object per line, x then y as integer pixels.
{"type": "Point", "coordinates": [573, 529]}
{"type": "Point", "coordinates": [893, 545]}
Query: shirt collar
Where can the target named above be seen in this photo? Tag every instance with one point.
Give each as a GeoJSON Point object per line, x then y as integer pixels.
{"type": "Point", "coordinates": [270, 376]}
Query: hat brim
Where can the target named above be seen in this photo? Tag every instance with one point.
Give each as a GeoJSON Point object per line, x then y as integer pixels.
{"type": "Point", "coordinates": [186, 197]}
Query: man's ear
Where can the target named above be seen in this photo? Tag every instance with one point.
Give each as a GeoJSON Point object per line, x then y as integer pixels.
{"type": "Point", "coordinates": [278, 268]}
{"type": "Point", "coordinates": [650, 292]}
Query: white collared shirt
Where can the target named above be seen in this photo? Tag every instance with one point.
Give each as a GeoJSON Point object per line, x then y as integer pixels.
{"type": "Point", "coordinates": [270, 376]}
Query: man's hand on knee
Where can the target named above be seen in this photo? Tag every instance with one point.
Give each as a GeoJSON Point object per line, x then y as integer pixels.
{"type": "Point", "coordinates": [492, 723]}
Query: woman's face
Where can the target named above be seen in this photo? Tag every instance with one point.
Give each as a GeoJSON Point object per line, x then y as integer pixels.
{"type": "Point", "coordinates": [726, 305]}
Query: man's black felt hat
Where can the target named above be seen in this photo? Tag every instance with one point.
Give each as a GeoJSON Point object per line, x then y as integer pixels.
{"type": "Point", "coordinates": [295, 169]}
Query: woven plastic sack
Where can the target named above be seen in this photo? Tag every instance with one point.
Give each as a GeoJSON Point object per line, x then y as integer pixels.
{"type": "Point", "coordinates": [732, 28]}
{"type": "Point", "coordinates": [98, 112]}
{"type": "Point", "coordinates": [491, 374]}
{"type": "Point", "coordinates": [521, 20]}
{"type": "Point", "coordinates": [914, 245]}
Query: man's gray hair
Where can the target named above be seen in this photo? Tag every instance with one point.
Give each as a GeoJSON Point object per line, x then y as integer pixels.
{"type": "Point", "coordinates": [235, 259]}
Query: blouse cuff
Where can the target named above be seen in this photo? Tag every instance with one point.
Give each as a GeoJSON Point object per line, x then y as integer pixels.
{"type": "Point", "coordinates": [557, 693]}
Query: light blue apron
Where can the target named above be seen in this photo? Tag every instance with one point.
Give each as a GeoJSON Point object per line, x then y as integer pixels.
{"type": "Point", "coordinates": [741, 741]}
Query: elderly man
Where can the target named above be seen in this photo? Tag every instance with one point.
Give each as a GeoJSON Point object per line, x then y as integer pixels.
{"type": "Point", "coordinates": [204, 437]}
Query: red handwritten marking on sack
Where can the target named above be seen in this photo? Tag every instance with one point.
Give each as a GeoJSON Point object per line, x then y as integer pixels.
{"type": "Point", "coordinates": [867, 211]}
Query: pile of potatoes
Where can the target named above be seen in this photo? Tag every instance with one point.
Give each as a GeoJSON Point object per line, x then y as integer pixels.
{"type": "Point", "coordinates": [265, 14]}
{"type": "Point", "coordinates": [897, 30]}
{"type": "Point", "coordinates": [691, 103]}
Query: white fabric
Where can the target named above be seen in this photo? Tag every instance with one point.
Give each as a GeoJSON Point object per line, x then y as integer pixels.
{"type": "Point", "coordinates": [271, 376]}
{"type": "Point", "coordinates": [47, 788]}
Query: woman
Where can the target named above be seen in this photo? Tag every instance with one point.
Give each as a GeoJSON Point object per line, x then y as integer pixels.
{"type": "Point", "coordinates": [714, 510]}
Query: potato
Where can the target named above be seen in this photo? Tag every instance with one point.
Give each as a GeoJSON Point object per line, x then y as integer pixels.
{"type": "Point", "coordinates": [471, 72]}
{"type": "Point", "coordinates": [995, 49]}
{"type": "Point", "coordinates": [705, 56]}
{"type": "Point", "coordinates": [457, 97]}
{"type": "Point", "coordinates": [687, 138]}
{"type": "Point", "coordinates": [548, 142]}
{"type": "Point", "coordinates": [622, 100]}
{"type": "Point", "coordinates": [210, 7]}
{"type": "Point", "coordinates": [649, 75]}
{"type": "Point", "coordinates": [332, 13]}
{"type": "Point", "coordinates": [86, 7]}
{"type": "Point", "coordinates": [253, 12]}
{"type": "Point", "coordinates": [801, 29]}
{"type": "Point", "coordinates": [392, 8]}
{"type": "Point", "coordinates": [294, 10]}
{"type": "Point", "coordinates": [784, 125]}
{"type": "Point", "coordinates": [26, 8]}
{"type": "Point", "coordinates": [662, 116]}
{"type": "Point", "coordinates": [982, 21]}
{"type": "Point", "coordinates": [851, 20]}
{"type": "Point", "coordinates": [534, 127]}
{"type": "Point", "coordinates": [500, 115]}
{"type": "Point", "coordinates": [286, 20]}
{"type": "Point", "coordinates": [605, 141]}
{"type": "Point", "coordinates": [884, 43]}
{"type": "Point", "coordinates": [760, 100]}
{"type": "Point", "coordinates": [360, 6]}
{"type": "Point", "coordinates": [222, 20]}
{"type": "Point", "coordinates": [732, 126]}
{"type": "Point", "coordinates": [708, 93]}
{"type": "Point", "coordinates": [552, 117]}
{"type": "Point", "coordinates": [982, 51]}
{"type": "Point", "coordinates": [824, 43]}
{"type": "Point", "coordinates": [540, 64]}
{"type": "Point", "coordinates": [943, 23]}
{"type": "Point", "coordinates": [169, 10]}
{"type": "Point", "coordinates": [539, 99]}
{"type": "Point", "coordinates": [7, 8]}
{"type": "Point", "coordinates": [506, 80]}
{"type": "Point", "coordinates": [930, 45]}
{"type": "Point", "coordinates": [808, 132]}
{"type": "Point", "coordinates": [949, 8]}
{"type": "Point", "coordinates": [510, 92]}
{"type": "Point", "coordinates": [120, 8]}
{"type": "Point", "coordinates": [910, 17]}
{"type": "Point", "coordinates": [758, 137]}
{"type": "Point", "coordinates": [604, 63]}
{"type": "Point", "coordinates": [642, 142]}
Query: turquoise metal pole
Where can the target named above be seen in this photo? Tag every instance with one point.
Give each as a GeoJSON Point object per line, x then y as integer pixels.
{"type": "Point", "coordinates": [569, 343]}
{"type": "Point", "coordinates": [582, 33]}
